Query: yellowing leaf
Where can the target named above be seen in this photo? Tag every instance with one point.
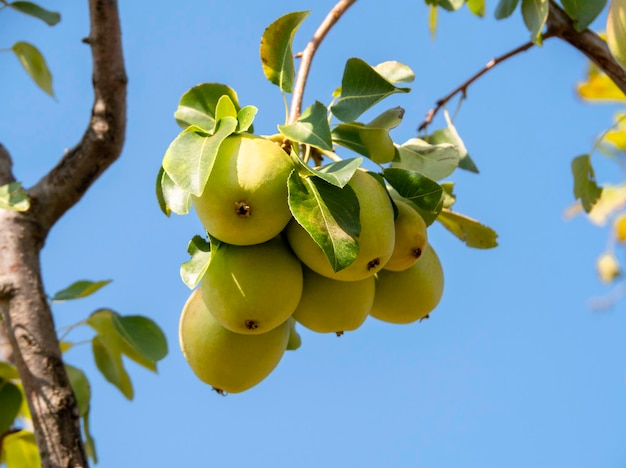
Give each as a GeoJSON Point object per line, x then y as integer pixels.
{"type": "Point", "coordinates": [613, 199]}
{"type": "Point", "coordinates": [608, 267]}
{"type": "Point", "coordinates": [470, 231]}
{"type": "Point", "coordinates": [35, 65]}
{"type": "Point", "coordinates": [599, 87]}
{"type": "Point", "coordinates": [19, 450]}
{"type": "Point", "coordinates": [616, 31]}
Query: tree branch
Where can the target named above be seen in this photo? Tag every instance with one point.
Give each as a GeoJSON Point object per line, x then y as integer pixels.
{"type": "Point", "coordinates": [6, 167]}
{"type": "Point", "coordinates": [307, 56]}
{"type": "Point", "coordinates": [589, 43]}
{"type": "Point", "coordinates": [102, 142]}
{"type": "Point", "coordinates": [463, 87]}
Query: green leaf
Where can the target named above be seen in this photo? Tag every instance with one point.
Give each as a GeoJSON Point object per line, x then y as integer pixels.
{"type": "Point", "coordinates": [389, 119]}
{"type": "Point", "coordinates": [535, 13]}
{"type": "Point", "coordinates": [245, 117]}
{"type": "Point", "coordinates": [616, 31]}
{"type": "Point", "coordinates": [506, 8]}
{"type": "Point", "coordinates": [193, 270]}
{"type": "Point", "coordinates": [329, 214]}
{"type": "Point", "coordinates": [198, 105]}
{"type": "Point", "coordinates": [110, 364]}
{"type": "Point", "coordinates": [395, 72]}
{"type": "Point", "coordinates": [8, 371]}
{"type": "Point", "coordinates": [10, 404]}
{"type": "Point", "coordinates": [585, 187]}
{"type": "Point", "coordinates": [469, 230]}
{"type": "Point", "coordinates": [35, 65]}
{"type": "Point", "coordinates": [449, 5]}
{"type": "Point", "coordinates": [311, 128]}
{"type": "Point", "coordinates": [90, 443]}
{"type": "Point", "coordinates": [276, 52]}
{"type": "Point", "coordinates": [14, 197]}
{"type": "Point", "coordinates": [434, 161]}
{"type": "Point", "coordinates": [295, 340]}
{"type": "Point", "coordinates": [583, 12]}
{"type": "Point", "coordinates": [361, 88]}
{"type": "Point", "coordinates": [451, 136]}
{"type": "Point", "coordinates": [171, 197]}
{"type": "Point", "coordinates": [449, 198]}
{"type": "Point", "coordinates": [49, 17]}
{"type": "Point", "coordinates": [339, 173]}
{"type": "Point", "coordinates": [79, 289]}
{"type": "Point", "coordinates": [19, 450]}
{"type": "Point", "coordinates": [415, 187]}
{"type": "Point", "coordinates": [225, 108]}
{"type": "Point", "coordinates": [477, 7]}
{"type": "Point", "coordinates": [80, 386]}
{"type": "Point", "coordinates": [374, 143]}
{"type": "Point", "coordinates": [143, 335]}
{"type": "Point", "coordinates": [189, 158]}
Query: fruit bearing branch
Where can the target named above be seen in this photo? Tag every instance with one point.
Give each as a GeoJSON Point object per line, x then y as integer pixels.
{"type": "Point", "coordinates": [309, 51]}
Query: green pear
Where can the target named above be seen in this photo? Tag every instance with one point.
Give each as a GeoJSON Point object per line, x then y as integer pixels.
{"type": "Point", "coordinates": [245, 199]}
{"type": "Point", "coordinates": [376, 239]}
{"type": "Point", "coordinates": [411, 238]}
{"type": "Point", "coordinates": [252, 289]}
{"type": "Point", "coordinates": [295, 340]}
{"type": "Point", "coordinates": [229, 362]}
{"type": "Point", "coordinates": [409, 295]}
{"type": "Point", "coordinates": [331, 306]}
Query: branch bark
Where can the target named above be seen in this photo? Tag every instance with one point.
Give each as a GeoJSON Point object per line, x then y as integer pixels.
{"type": "Point", "coordinates": [24, 308]}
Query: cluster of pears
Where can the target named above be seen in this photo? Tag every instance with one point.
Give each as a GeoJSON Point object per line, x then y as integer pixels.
{"type": "Point", "coordinates": [267, 272]}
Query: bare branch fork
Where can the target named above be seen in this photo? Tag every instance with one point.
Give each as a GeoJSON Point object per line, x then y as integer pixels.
{"type": "Point", "coordinates": [309, 51]}
{"type": "Point", "coordinates": [24, 308]}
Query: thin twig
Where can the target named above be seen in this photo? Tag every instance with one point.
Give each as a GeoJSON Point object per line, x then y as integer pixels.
{"type": "Point", "coordinates": [307, 56]}
{"type": "Point", "coordinates": [6, 165]}
{"type": "Point", "coordinates": [463, 87]}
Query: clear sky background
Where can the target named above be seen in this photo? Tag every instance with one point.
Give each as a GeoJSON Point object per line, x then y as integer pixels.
{"type": "Point", "coordinates": [512, 370]}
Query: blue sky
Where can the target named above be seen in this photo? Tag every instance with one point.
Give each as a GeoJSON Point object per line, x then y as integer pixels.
{"type": "Point", "coordinates": [512, 370]}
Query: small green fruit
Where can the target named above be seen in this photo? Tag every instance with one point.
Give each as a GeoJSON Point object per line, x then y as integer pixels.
{"type": "Point", "coordinates": [411, 238]}
{"type": "Point", "coordinates": [227, 361]}
{"type": "Point", "coordinates": [376, 240]}
{"type": "Point", "coordinates": [252, 289]}
{"type": "Point", "coordinates": [245, 198]}
{"type": "Point", "coordinates": [329, 306]}
{"type": "Point", "coordinates": [409, 295]}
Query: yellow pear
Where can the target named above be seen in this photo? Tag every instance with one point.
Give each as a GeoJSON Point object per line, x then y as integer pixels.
{"type": "Point", "coordinates": [409, 295]}
{"type": "Point", "coordinates": [619, 228]}
{"type": "Point", "coordinates": [376, 239]}
{"type": "Point", "coordinates": [229, 362]}
{"type": "Point", "coordinates": [411, 238]}
{"type": "Point", "coordinates": [252, 289]}
{"type": "Point", "coordinates": [245, 198]}
{"type": "Point", "coordinates": [329, 305]}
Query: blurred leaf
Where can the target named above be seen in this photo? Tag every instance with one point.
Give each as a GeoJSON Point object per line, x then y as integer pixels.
{"type": "Point", "coordinates": [49, 17]}
{"type": "Point", "coordinates": [295, 340]}
{"type": "Point", "coordinates": [8, 371]}
{"type": "Point", "coordinates": [276, 52]}
{"type": "Point", "coordinates": [535, 13]}
{"type": "Point", "coordinates": [10, 403]}
{"type": "Point", "coordinates": [585, 187]}
{"type": "Point", "coordinates": [468, 230]}
{"type": "Point", "coordinates": [329, 214]}
{"type": "Point", "coordinates": [171, 197]}
{"type": "Point", "coordinates": [79, 289]}
{"type": "Point", "coordinates": [583, 12]}
{"type": "Point", "coordinates": [449, 5]}
{"type": "Point", "coordinates": [193, 270]}
{"type": "Point", "coordinates": [477, 7]}
{"type": "Point", "coordinates": [361, 88]}
{"type": "Point", "coordinates": [189, 158]}
{"type": "Point", "coordinates": [434, 161]}
{"type": "Point", "coordinates": [80, 386]}
{"type": "Point", "coordinates": [90, 443]}
{"type": "Point", "coordinates": [449, 198]}
{"type": "Point", "coordinates": [395, 72]}
{"type": "Point", "coordinates": [608, 267]}
{"type": "Point", "coordinates": [599, 87]}
{"type": "Point", "coordinates": [35, 65]}
{"type": "Point", "coordinates": [432, 20]}
{"type": "Point", "coordinates": [159, 193]}
{"type": "Point", "coordinates": [506, 8]}
{"type": "Point", "coordinates": [110, 364]}
{"type": "Point", "coordinates": [424, 192]}
{"type": "Point", "coordinates": [14, 197]}
{"type": "Point", "coordinates": [198, 105]}
{"type": "Point", "coordinates": [19, 450]}
{"type": "Point", "coordinates": [24, 409]}
{"type": "Point", "coordinates": [616, 31]}
{"type": "Point", "coordinates": [245, 117]}
{"type": "Point", "coordinates": [143, 334]}
{"type": "Point", "coordinates": [311, 128]}
{"type": "Point", "coordinates": [612, 199]}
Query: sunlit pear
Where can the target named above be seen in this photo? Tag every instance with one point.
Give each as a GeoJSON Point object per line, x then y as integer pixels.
{"type": "Point", "coordinates": [229, 362]}
{"type": "Point", "coordinates": [619, 228]}
{"type": "Point", "coordinates": [245, 198]}
{"type": "Point", "coordinates": [411, 238]}
{"type": "Point", "coordinates": [409, 295]}
{"type": "Point", "coordinates": [331, 306]}
{"type": "Point", "coordinates": [252, 289]}
{"type": "Point", "coordinates": [376, 240]}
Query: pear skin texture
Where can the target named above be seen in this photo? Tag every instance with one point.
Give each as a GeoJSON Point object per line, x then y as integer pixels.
{"type": "Point", "coordinates": [331, 306]}
{"type": "Point", "coordinates": [376, 240]}
{"type": "Point", "coordinates": [411, 238]}
{"type": "Point", "coordinates": [245, 198]}
{"type": "Point", "coordinates": [252, 289]}
{"type": "Point", "coordinates": [229, 362]}
{"type": "Point", "coordinates": [409, 295]}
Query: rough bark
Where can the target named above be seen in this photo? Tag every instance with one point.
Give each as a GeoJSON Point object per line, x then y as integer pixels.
{"type": "Point", "coordinates": [24, 308]}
